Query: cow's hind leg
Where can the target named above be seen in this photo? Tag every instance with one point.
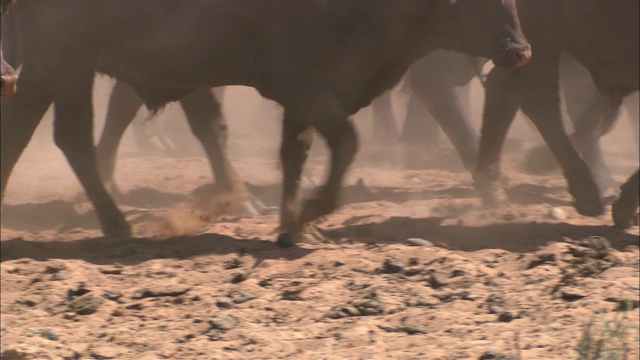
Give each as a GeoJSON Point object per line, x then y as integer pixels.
{"type": "Point", "coordinates": [20, 117]}
{"type": "Point", "coordinates": [204, 114]}
{"type": "Point", "coordinates": [296, 142]}
{"type": "Point", "coordinates": [625, 210]}
{"type": "Point", "coordinates": [541, 103]}
{"type": "Point", "coordinates": [124, 103]}
{"type": "Point", "coordinates": [73, 133]}
{"type": "Point", "coordinates": [501, 105]}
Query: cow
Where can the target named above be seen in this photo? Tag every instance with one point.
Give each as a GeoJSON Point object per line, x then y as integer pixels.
{"type": "Point", "coordinates": [624, 210]}
{"type": "Point", "coordinates": [602, 37]}
{"type": "Point", "coordinates": [322, 60]}
{"type": "Point", "coordinates": [8, 75]}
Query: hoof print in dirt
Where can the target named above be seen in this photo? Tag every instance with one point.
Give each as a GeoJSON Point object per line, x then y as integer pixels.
{"type": "Point", "coordinates": [570, 294]}
{"type": "Point", "coordinates": [86, 304]}
{"type": "Point", "coordinates": [366, 306]}
{"type": "Point", "coordinates": [391, 266]}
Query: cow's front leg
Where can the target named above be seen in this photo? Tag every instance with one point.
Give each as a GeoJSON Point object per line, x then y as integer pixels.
{"type": "Point", "coordinates": [501, 105]}
{"type": "Point", "coordinates": [73, 133]}
{"type": "Point", "coordinates": [296, 142]}
{"type": "Point", "coordinates": [625, 210]}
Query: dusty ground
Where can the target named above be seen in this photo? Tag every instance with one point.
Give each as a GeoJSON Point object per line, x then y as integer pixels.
{"type": "Point", "coordinates": [519, 282]}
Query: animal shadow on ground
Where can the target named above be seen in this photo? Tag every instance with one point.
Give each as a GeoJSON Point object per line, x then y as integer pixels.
{"type": "Point", "coordinates": [520, 237]}
{"type": "Point", "coordinates": [131, 251]}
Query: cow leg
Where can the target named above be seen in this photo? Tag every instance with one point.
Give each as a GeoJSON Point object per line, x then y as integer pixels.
{"type": "Point", "coordinates": [420, 134]}
{"type": "Point", "coordinates": [296, 142]}
{"type": "Point", "coordinates": [501, 105]}
{"type": "Point", "coordinates": [385, 131]}
{"type": "Point", "coordinates": [589, 128]}
{"type": "Point", "coordinates": [124, 103]}
{"type": "Point", "coordinates": [204, 114]}
{"type": "Point", "coordinates": [541, 103]}
{"type": "Point", "coordinates": [73, 133]}
{"type": "Point", "coordinates": [449, 113]}
{"type": "Point", "coordinates": [20, 117]}
{"type": "Point", "coordinates": [625, 210]}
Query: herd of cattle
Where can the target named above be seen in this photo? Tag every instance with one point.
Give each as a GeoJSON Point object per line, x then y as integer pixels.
{"type": "Point", "coordinates": [322, 60]}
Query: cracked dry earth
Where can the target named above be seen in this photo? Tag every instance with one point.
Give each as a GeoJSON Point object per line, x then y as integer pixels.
{"type": "Point", "coordinates": [409, 268]}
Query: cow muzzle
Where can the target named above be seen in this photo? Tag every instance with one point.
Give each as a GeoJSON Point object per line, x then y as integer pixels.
{"type": "Point", "coordinates": [9, 80]}
{"type": "Point", "coordinates": [514, 56]}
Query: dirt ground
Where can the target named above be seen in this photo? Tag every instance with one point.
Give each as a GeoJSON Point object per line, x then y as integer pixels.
{"type": "Point", "coordinates": [411, 267]}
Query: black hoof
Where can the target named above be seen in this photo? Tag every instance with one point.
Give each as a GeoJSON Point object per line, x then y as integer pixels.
{"type": "Point", "coordinates": [620, 218]}
{"type": "Point", "coordinates": [590, 208]}
{"type": "Point", "coordinates": [285, 241]}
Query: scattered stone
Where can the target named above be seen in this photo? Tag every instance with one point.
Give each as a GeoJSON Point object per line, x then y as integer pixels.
{"type": "Point", "coordinates": [506, 317]}
{"type": "Point", "coordinates": [59, 277]}
{"type": "Point", "coordinates": [598, 243]}
{"type": "Point", "coordinates": [292, 293]}
{"type": "Point", "coordinates": [79, 291]}
{"type": "Point", "coordinates": [54, 268]}
{"type": "Point", "coordinates": [410, 330]}
{"type": "Point", "coordinates": [542, 259]}
{"type": "Point", "coordinates": [457, 273]}
{"type": "Point", "coordinates": [625, 304]}
{"type": "Point", "coordinates": [223, 323]}
{"type": "Point", "coordinates": [49, 335]}
{"type": "Point", "coordinates": [419, 242]}
{"type": "Point", "coordinates": [26, 302]}
{"type": "Point", "coordinates": [103, 352]}
{"type": "Point", "coordinates": [434, 281]}
{"type": "Point", "coordinates": [572, 294]}
{"type": "Point", "coordinates": [412, 271]}
{"type": "Point", "coordinates": [359, 307]}
{"type": "Point", "coordinates": [557, 213]}
{"type": "Point", "coordinates": [112, 295]}
{"type": "Point", "coordinates": [419, 301]}
{"type": "Point", "coordinates": [86, 304]}
{"type": "Point", "coordinates": [414, 261]}
{"type": "Point", "coordinates": [224, 303]}
{"type": "Point", "coordinates": [391, 266]}
{"type": "Point", "coordinates": [237, 278]}
{"type": "Point", "coordinates": [35, 279]}
{"type": "Point", "coordinates": [13, 354]}
{"type": "Point", "coordinates": [111, 271]}
{"type": "Point", "coordinates": [161, 291]}
{"type": "Point", "coordinates": [496, 309]}
{"type": "Point", "coordinates": [494, 355]}
{"type": "Point", "coordinates": [241, 297]}
{"type": "Point", "coordinates": [508, 216]}
{"type": "Point", "coordinates": [233, 263]}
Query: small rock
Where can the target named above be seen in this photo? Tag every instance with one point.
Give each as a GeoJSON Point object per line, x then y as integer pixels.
{"type": "Point", "coordinates": [111, 271]}
{"type": "Point", "coordinates": [419, 242]}
{"type": "Point", "coordinates": [239, 277]}
{"type": "Point", "coordinates": [233, 263]}
{"type": "Point", "coordinates": [292, 293]}
{"type": "Point", "coordinates": [413, 330]}
{"type": "Point", "coordinates": [49, 335]}
{"type": "Point", "coordinates": [557, 213]}
{"type": "Point", "coordinates": [13, 354]}
{"type": "Point", "coordinates": [59, 277]}
{"type": "Point", "coordinates": [542, 259]}
{"type": "Point", "coordinates": [224, 303]}
{"type": "Point", "coordinates": [434, 281]}
{"type": "Point", "coordinates": [86, 304]}
{"type": "Point", "coordinates": [223, 323]}
{"type": "Point", "coordinates": [27, 302]}
{"type": "Point", "coordinates": [494, 355]}
{"type": "Point", "coordinates": [112, 295]}
{"type": "Point", "coordinates": [598, 243]}
{"type": "Point", "coordinates": [508, 217]}
{"type": "Point", "coordinates": [54, 268]}
{"type": "Point", "coordinates": [506, 317]}
{"type": "Point", "coordinates": [625, 304]}
{"type": "Point", "coordinates": [391, 266]}
{"type": "Point", "coordinates": [161, 291]}
{"type": "Point", "coordinates": [241, 297]}
{"type": "Point", "coordinates": [572, 294]}
{"type": "Point", "coordinates": [79, 291]}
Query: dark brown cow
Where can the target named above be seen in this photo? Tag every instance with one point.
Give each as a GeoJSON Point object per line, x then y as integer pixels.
{"type": "Point", "coordinates": [600, 35]}
{"type": "Point", "coordinates": [321, 60]}
{"type": "Point", "coordinates": [8, 75]}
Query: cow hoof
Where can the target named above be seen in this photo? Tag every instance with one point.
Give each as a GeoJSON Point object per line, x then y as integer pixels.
{"type": "Point", "coordinates": [591, 208]}
{"type": "Point", "coordinates": [285, 240]}
{"type": "Point", "coordinates": [622, 219]}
